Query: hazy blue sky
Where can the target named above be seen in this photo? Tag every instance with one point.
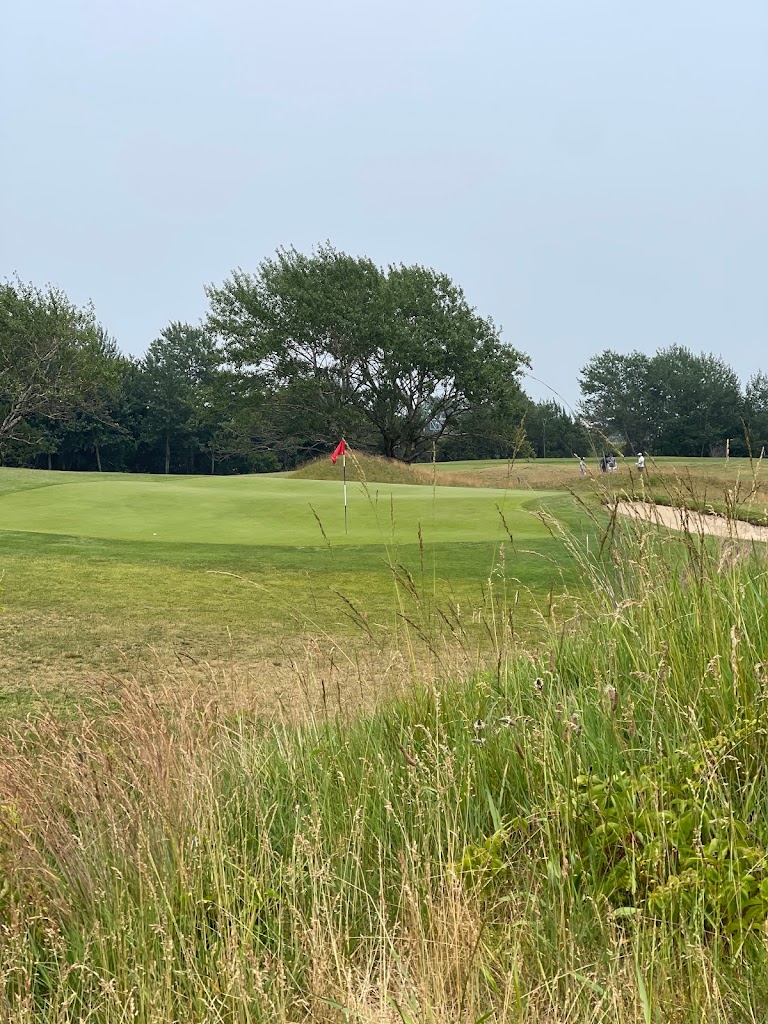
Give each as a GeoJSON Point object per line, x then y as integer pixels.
{"type": "Point", "coordinates": [593, 172]}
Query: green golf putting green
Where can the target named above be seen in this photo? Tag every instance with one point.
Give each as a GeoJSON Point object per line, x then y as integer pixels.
{"type": "Point", "coordinates": [262, 510]}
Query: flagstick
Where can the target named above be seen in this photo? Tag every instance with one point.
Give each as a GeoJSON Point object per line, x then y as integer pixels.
{"type": "Point", "coordinates": [344, 466]}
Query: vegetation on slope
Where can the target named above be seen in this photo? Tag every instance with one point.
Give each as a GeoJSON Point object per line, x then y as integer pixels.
{"type": "Point", "coordinates": [365, 468]}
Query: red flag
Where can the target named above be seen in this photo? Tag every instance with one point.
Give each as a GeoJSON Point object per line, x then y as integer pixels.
{"type": "Point", "coordinates": [340, 448]}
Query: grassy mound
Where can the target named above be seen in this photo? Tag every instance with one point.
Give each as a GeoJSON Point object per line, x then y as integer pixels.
{"type": "Point", "coordinates": [578, 836]}
{"type": "Point", "coordinates": [365, 469]}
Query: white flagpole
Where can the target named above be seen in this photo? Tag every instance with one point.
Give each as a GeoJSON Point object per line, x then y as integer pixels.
{"type": "Point", "coordinates": [344, 466]}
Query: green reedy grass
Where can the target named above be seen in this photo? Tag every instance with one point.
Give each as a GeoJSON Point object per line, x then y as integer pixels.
{"type": "Point", "coordinates": [432, 861]}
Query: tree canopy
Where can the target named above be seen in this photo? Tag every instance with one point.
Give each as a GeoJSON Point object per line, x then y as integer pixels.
{"type": "Point", "coordinates": [314, 346]}
{"type": "Point", "coordinates": [179, 370]}
{"type": "Point", "coordinates": [554, 433]}
{"type": "Point", "coordinates": [397, 354]}
{"type": "Point", "coordinates": [756, 412]}
{"type": "Point", "coordinates": [49, 352]}
{"type": "Point", "coordinates": [675, 402]}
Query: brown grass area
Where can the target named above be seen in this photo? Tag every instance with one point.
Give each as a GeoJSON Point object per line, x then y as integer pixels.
{"type": "Point", "coordinates": [310, 679]}
{"type": "Point", "coordinates": [363, 468]}
{"type": "Point", "coordinates": [703, 476]}
{"type": "Point", "coordinates": [706, 479]}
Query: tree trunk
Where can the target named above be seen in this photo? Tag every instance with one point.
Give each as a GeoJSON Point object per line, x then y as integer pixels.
{"type": "Point", "coordinates": [213, 462]}
{"type": "Point", "coordinates": [167, 452]}
{"type": "Point", "coordinates": [49, 461]}
{"type": "Point", "coordinates": [98, 453]}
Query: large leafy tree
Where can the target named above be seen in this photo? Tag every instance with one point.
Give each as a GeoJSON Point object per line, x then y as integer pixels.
{"type": "Point", "coordinates": [616, 398]}
{"type": "Point", "coordinates": [756, 411]}
{"type": "Point", "coordinates": [696, 399]}
{"type": "Point", "coordinates": [50, 360]}
{"type": "Point", "coordinates": [676, 402]}
{"type": "Point", "coordinates": [232, 424]}
{"type": "Point", "coordinates": [178, 372]}
{"type": "Point", "coordinates": [554, 433]}
{"type": "Point", "coordinates": [95, 435]}
{"type": "Point", "coordinates": [397, 356]}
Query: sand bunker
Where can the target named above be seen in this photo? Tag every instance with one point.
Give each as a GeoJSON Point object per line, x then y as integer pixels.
{"type": "Point", "coordinates": [696, 522]}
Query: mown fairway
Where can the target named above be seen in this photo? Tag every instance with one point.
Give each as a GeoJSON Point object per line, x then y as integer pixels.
{"type": "Point", "coordinates": [102, 573]}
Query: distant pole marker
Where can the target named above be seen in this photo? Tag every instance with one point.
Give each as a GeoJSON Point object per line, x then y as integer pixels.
{"type": "Point", "coordinates": [341, 450]}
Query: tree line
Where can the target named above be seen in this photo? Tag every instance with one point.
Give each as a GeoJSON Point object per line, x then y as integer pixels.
{"type": "Point", "coordinates": [675, 402]}
{"type": "Point", "coordinates": [312, 347]}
